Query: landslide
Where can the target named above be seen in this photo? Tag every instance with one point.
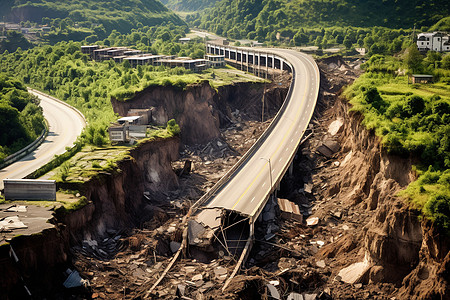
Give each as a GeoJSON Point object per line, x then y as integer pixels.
{"type": "Point", "coordinates": [361, 218]}
{"type": "Point", "coordinates": [201, 111]}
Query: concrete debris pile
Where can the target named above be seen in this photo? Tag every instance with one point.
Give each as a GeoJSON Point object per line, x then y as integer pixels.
{"type": "Point", "coordinates": [217, 148]}
{"type": "Point", "coordinates": [103, 249]}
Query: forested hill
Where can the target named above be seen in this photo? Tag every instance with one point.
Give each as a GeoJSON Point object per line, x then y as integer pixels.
{"type": "Point", "coordinates": [189, 5]}
{"type": "Point", "coordinates": [238, 19]}
{"type": "Point", "coordinates": [112, 14]}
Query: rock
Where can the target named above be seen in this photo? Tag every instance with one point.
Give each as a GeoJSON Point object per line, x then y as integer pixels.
{"type": "Point", "coordinates": [174, 246]}
{"type": "Point", "coordinates": [335, 126]}
{"type": "Point", "coordinates": [181, 289]}
{"type": "Point", "coordinates": [273, 292]}
{"type": "Point", "coordinates": [312, 221]}
{"type": "Point", "coordinates": [321, 263]}
{"type": "Point", "coordinates": [345, 227]}
{"type": "Point", "coordinates": [358, 285]}
{"type": "Point", "coordinates": [220, 273]}
{"type": "Point", "coordinates": [189, 269]}
{"type": "Point", "coordinates": [269, 215]}
{"type": "Point", "coordinates": [309, 296]}
{"type": "Point", "coordinates": [354, 272]}
{"type": "Point", "coordinates": [171, 229]}
{"type": "Point", "coordinates": [295, 296]}
{"type": "Point", "coordinates": [308, 188]}
{"type": "Point", "coordinates": [197, 277]}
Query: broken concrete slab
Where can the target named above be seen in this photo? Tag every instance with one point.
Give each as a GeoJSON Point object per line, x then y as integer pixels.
{"type": "Point", "coordinates": [17, 208]}
{"type": "Point", "coordinates": [332, 145]}
{"type": "Point", "coordinates": [11, 223]}
{"type": "Point", "coordinates": [174, 246]}
{"type": "Point", "coordinates": [74, 280]}
{"type": "Point", "coordinates": [273, 292]}
{"type": "Point", "coordinates": [354, 272]}
{"type": "Point", "coordinates": [325, 151]}
{"type": "Point", "coordinates": [289, 210]}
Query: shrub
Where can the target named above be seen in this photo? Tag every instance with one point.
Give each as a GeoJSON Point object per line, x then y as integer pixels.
{"type": "Point", "coordinates": [173, 128]}
{"type": "Point", "coordinates": [438, 208]}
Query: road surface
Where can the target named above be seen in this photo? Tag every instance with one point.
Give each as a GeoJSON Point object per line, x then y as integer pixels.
{"type": "Point", "coordinates": [65, 125]}
{"type": "Point", "coordinates": [248, 189]}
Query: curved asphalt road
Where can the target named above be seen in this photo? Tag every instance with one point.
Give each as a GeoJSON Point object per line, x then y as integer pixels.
{"type": "Point", "coordinates": [65, 125]}
{"type": "Point", "coordinates": [248, 190]}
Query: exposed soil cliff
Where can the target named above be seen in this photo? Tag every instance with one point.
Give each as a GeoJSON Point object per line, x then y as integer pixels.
{"type": "Point", "coordinates": [117, 200]}
{"type": "Point", "coordinates": [116, 203]}
{"type": "Point", "coordinates": [201, 110]}
{"type": "Point", "coordinates": [363, 221]}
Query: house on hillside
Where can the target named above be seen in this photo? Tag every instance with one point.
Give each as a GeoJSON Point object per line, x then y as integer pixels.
{"type": "Point", "coordinates": [434, 41]}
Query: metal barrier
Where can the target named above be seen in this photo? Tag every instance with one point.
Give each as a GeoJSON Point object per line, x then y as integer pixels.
{"type": "Point", "coordinates": [29, 189]}
{"type": "Point", "coordinates": [25, 151]}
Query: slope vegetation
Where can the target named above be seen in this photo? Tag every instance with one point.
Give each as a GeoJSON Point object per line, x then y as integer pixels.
{"type": "Point", "coordinates": [114, 14]}
{"type": "Point", "coordinates": [237, 19]}
{"type": "Point", "coordinates": [189, 5]}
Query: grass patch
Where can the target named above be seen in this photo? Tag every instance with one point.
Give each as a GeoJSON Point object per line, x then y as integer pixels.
{"type": "Point", "coordinates": [181, 79]}
{"type": "Point", "coordinates": [89, 162]}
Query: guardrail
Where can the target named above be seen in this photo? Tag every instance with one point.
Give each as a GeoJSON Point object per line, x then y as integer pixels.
{"type": "Point", "coordinates": [231, 173]}
{"type": "Point", "coordinates": [31, 147]}
{"type": "Point", "coordinates": [25, 151]}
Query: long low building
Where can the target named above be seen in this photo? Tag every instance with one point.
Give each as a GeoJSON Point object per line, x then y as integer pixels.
{"type": "Point", "coordinates": [143, 59]}
{"type": "Point", "coordinates": [191, 64]}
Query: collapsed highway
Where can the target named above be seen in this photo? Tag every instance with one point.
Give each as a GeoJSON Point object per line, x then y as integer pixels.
{"type": "Point", "coordinates": [244, 191]}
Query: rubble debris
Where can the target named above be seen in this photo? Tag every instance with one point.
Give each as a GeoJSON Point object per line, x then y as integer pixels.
{"type": "Point", "coordinates": [11, 223]}
{"type": "Point", "coordinates": [289, 210]}
{"type": "Point", "coordinates": [273, 292]}
{"type": "Point", "coordinates": [74, 280]}
{"type": "Point", "coordinates": [174, 246]}
{"type": "Point", "coordinates": [202, 229]}
{"type": "Point", "coordinates": [332, 145]}
{"type": "Point", "coordinates": [312, 221]}
{"type": "Point", "coordinates": [321, 263]}
{"type": "Point", "coordinates": [295, 296]}
{"type": "Point", "coordinates": [308, 188]}
{"type": "Point", "coordinates": [220, 273]}
{"type": "Point", "coordinates": [354, 272]}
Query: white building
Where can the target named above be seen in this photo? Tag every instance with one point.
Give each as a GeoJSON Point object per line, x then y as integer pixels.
{"type": "Point", "coordinates": [435, 41]}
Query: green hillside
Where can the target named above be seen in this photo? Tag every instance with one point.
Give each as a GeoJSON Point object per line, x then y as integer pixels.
{"type": "Point", "coordinates": [259, 18]}
{"type": "Point", "coordinates": [21, 118]}
{"type": "Point", "coordinates": [107, 15]}
{"type": "Point", "coordinates": [189, 5]}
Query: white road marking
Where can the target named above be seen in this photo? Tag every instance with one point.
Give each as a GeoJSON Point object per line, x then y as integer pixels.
{"type": "Point", "coordinates": [252, 199]}
{"type": "Point", "coordinates": [263, 184]}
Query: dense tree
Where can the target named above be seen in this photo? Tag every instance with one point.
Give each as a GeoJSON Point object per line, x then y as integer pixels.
{"type": "Point", "coordinates": [413, 59]}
